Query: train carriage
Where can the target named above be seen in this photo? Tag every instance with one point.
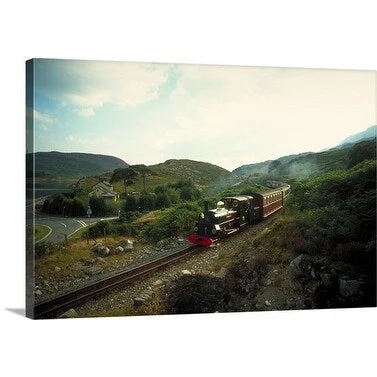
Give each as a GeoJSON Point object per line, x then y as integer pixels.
{"type": "Point", "coordinates": [266, 204]}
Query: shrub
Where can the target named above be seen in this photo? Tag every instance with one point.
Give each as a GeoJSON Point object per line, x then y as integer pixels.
{"type": "Point", "coordinates": [177, 220]}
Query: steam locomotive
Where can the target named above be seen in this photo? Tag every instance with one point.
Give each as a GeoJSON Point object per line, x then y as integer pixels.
{"type": "Point", "coordinates": [234, 213]}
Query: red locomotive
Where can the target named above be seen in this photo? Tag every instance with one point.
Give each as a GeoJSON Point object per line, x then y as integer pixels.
{"type": "Point", "coordinates": [234, 213]}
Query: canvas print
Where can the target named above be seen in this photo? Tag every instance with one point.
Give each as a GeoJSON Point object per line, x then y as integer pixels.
{"type": "Point", "coordinates": [157, 189]}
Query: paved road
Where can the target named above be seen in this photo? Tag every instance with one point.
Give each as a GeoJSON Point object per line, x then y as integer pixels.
{"type": "Point", "coordinates": [64, 226]}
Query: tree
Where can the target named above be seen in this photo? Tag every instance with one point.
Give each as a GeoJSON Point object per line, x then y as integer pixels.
{"type": "Point", "coordinates": [276, 168]}
{"type": "Point", "coordinates": [123, 174]}
{"type": "Point", "coordinates": [144, 171]}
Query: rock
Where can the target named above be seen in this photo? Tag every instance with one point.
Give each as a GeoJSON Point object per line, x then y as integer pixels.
{"type": "Point", "coordinates": [350, 288]}
{"type": "Point", "coordinates": [158, 283]}
{"type": "Point", "coordinates": [118, 249]}
{"type": "Point", "coordinates": [267, 303]}
{"type": "Point", "coordinates": [129, 245]}
{"type": "Point", "coordinates": [57, 269]}
{"type": "Point", "coordinates": [138, 301]}
{"type": "Point", "coordinates": [96, 246]}
{"type": "Point", "coordinates": [91, 271]}
{"type": "Point", "coordinates": [301, 266]}
{"type": "Point", "coordinates": [100, 260]}
{"type": "Point", "coordinates": [89, 262]}
{"type": "Point", "coordinates": [103, 251]}
{"type": "Point", "coordinates": [38, 292]}
{"type": "Point", "coordinates": [71, 313]}
{"type": "Point", "coordinates": [186, 272]}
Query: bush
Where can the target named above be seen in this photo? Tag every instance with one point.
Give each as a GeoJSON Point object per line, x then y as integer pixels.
{"type": "Point", "coordinates": [177, 220]}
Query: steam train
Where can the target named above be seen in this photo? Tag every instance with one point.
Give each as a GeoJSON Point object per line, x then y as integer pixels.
{"type": "Point", "coordinates": [234, 213]}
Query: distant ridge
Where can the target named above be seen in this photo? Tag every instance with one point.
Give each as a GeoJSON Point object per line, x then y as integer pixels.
{"type": "Point", "coordinates": [71, 165]}
{"type": "Point", "coordinates": [369, 133]}
{"type": "Point", "coordinates": [199, 172]}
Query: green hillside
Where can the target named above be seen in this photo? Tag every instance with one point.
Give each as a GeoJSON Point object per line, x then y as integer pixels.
{"type": "Point", "coordinates": [310, 164]}
{"type": "Point", "coordinates": [71, 165]}
{"type": "Point", "coordinates": [201, 173]}
{"type": "Point", "coordinates": [170, 171]}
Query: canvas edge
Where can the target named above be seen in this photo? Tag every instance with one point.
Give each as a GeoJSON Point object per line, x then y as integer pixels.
{"type": "Point", "coordinates": [29, 209]}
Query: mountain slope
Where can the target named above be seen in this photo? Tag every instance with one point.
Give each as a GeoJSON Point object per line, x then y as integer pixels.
{"type": "Point", "coordinates": [310, 164]}
{"type": "Point", "coordinates": [369, 133]}
{"type": "Point", "coordinates": [71, 165]}
{"type": "Point", "coordinates": [170, 171]}
{"type": "Point", "coordinates": [201, 173]}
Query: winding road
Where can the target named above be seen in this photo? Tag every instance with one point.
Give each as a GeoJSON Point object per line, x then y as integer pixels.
{"type": "Point", "coordinates": [64, 226]}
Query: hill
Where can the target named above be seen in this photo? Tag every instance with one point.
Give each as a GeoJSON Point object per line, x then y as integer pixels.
{"type": "Point", "coordinates": [71, 165]}
{"type": "Point", "coordinates": [369, 133]}
{"type": "Point", "coordinates": [201, 173]}
{"type": "Point", "coordinates": [261, 168]}
{"type": "Point", "coordinates": [170, 171]}
{"type": "Point", "coordinates": [310, 164]}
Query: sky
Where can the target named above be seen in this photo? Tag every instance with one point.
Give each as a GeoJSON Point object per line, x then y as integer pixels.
{"type": "Point", "coordinates": [146, 113]}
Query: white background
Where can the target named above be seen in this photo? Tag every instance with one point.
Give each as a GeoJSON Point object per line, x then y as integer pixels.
{"type": "Point", "coordinates": [324, 34]}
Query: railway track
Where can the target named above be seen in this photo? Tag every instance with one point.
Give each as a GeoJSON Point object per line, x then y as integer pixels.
{"type": "Point", "coordinates": [56, 306]}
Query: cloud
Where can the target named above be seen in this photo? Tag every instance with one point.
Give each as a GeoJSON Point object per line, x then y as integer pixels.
{"type": "Point", "coordinates": [41, 119]}
{"type": "Point", "coordinates": [88, 85]}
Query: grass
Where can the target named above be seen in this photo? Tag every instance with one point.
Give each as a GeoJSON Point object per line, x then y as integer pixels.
{"type": "Point", "coordinates": [275, 243]}
{"type": "Point", "coordinates": [70, 258]}
{"type": "Point", "coordinates": [149, 217]}
{"type": "Point", "coordinates": [41, 231]}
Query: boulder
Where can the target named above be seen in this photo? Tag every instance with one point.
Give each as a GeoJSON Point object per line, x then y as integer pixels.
{"type": "Point", "coordinates": [129, 245]}
{"type": "Point", "coordinates": [103, 251]}
{"type": "Point", "coordinates": [91, 271]}
{"type": "Point", "coordinates": [118, 250]}
{"type": "Point", "coordinates": [350, 288]}
{"type": "Point", "coordinates": [301, 266]}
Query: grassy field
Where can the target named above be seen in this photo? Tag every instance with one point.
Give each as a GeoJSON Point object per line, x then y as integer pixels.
{"type": "Point", "coordinates": [40, 232]}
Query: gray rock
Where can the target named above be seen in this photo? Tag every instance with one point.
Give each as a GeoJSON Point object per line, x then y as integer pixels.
{"type": "Point", "coordinates": [118, 249]}
{"type": "Point", "coordinates": [350, 288]}
{"type": "Point", "coordinates": [71, 313]}
{"type": "Point", "coordinates": [91, 271]}
{"type": "Point", "coordinates": [38, 292]}
{"type": "Point", "coordinates": [267, 303]}
{"type": "Point", "coordinates": [103, 251]}
{"type": "Point", "coordinates": [301, 266]}
{"type": "Point", "coordinates": [129, 245]}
